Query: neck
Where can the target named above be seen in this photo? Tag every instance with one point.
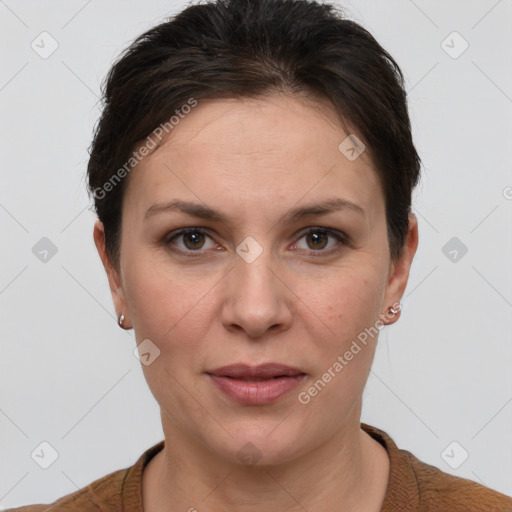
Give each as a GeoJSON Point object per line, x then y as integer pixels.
{"type": "Point", "coordinates": [347, 472]}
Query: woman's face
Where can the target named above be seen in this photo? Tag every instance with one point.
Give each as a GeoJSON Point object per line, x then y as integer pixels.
{"type": "Point", "coordinates": [249, 284]}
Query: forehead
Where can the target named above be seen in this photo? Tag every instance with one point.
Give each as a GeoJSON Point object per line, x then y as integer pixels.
{"type": "Point", "coordinates": [250, 153]}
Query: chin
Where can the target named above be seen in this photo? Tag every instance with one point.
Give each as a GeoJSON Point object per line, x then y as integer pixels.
{"type": "Point", "coordinates": [260, 444]}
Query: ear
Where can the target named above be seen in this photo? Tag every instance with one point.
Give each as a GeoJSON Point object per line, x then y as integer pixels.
{"type": "Point", "coordinates": [399, 271]}
{"type": "Point", "coordinates": [114, 279]}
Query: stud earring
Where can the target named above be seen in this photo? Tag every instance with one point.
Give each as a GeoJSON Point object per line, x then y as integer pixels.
{"type": "Point", "coordinates": [393, 311]}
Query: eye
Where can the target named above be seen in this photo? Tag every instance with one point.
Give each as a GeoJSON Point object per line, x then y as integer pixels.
{"type": "Point", "coordinates": [317, 240]}
{"type": "Point", "coordinates": [192, 240]}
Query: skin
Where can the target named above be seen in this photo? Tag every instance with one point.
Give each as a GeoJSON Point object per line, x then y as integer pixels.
{"type": "Point", "coordinates": [253, 160]}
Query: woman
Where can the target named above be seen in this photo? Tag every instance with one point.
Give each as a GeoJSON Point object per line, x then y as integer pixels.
{"type": "Point", "coordinates": [252, 173]}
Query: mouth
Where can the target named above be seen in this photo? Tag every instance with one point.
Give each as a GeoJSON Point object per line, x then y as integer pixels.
{"type": "Point", "coordinates": [259, 379]}
{"type": "Point", "coordinates": [259, 385]}
{"type": "Point", "coordinates": [241, 371]}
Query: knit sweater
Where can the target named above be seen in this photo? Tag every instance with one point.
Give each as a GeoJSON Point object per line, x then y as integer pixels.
{"type": "Point", "coordinates": [413, 486]}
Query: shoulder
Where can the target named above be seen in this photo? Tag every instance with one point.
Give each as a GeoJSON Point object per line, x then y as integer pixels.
{"type": "Point", "coordinates": [101, 495]}
{"type": "Point", "coordinates": [119, 490]}
{"type": "Point", "coordinates": [415, 486]}
{"type": "Point", "coordinates": [442, 491]}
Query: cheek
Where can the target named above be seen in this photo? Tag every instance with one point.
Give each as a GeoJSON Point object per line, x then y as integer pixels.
{"type": "Point", "coordinates": [167, 308]}
{"type": "Point", "coordinates": [345, 354]}
{"type": "Point", "coordinates": [343, 304]}
{"type": "Point", "coordinates": [173, 315]}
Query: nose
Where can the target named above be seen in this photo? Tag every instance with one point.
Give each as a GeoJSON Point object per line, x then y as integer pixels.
{"type": "Point", "coordinates": [256, 301]}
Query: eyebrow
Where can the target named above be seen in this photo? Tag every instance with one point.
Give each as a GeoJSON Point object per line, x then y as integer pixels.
{"type": "Point", "coordinates": [204, 212]}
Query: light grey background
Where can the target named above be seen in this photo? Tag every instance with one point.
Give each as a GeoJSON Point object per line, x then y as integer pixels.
{"type": "Point", "coordinates": [68, 375]}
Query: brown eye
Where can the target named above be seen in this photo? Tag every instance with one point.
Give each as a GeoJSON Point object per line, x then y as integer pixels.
{"type": "Point", "coordinates": [191, 240]}
{"type": "Point", "coordinates": [322, 241]}
{"type": "Point", "coordinates": [317, 239]}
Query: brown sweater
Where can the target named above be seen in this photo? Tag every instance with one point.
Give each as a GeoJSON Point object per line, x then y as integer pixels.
{"type": "Point", "coordinates": [413, 487]}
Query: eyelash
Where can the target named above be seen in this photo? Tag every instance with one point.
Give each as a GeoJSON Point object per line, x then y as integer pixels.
{"type": "Point", "coordinates": [341, 237]}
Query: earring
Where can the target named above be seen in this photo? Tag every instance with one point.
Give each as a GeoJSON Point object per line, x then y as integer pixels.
{"type": "Point", "coordinates": [394, 311]}
{"type": "Point", "coordinates": [120, 321]}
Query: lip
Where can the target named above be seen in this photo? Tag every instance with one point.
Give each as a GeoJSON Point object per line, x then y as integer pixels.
{"type": "Point", "coordinates": [256, 385]}
{"type": "Point", "coordinates": [264, 371]}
